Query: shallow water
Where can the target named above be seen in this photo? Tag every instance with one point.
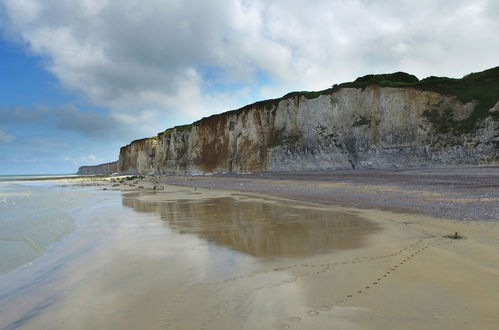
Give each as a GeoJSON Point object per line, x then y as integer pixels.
{"type": "Point", "coordinates": [156, 261]}
{"type": "Point", "coordinates": [34, 216]}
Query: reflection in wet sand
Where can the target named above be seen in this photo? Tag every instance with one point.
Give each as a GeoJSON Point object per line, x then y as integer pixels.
{"type": "Point", "coordinates": [182, 260]}
{"type": "Point", "coordinates": [259, 228]}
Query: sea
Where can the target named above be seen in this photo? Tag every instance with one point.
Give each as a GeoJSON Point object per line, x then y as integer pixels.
{"type": "Point", "coordinates": [36, 212]}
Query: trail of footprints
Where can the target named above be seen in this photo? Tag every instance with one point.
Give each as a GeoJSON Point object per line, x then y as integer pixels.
{"type": "Point", "coordinates": [322, 268]}
{"type": "Point", "coordinates": [394, 268]}
{"type": "Point", "coordinates": [383, 277]}
{"type": "Point", "coordinates": [316, 270]}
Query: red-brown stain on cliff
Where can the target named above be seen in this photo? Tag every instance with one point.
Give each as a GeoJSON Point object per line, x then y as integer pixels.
{"type": "Point", "coordinates": [214, 143]}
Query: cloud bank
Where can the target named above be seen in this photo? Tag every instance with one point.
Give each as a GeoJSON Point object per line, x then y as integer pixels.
{"type": "Point", "coordinates": [190, 58]}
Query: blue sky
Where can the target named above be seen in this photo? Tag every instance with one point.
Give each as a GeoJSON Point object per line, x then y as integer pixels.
{"type": "Point", "coordinates": [31, 139]}
{"type": "Point", "coordinates": [79, 79]}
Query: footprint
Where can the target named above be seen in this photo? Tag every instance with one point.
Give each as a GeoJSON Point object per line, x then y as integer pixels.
{"type": "Point", "coordinates": [313, 313]}
{"type": "Point", "coordinates": [295, 319]}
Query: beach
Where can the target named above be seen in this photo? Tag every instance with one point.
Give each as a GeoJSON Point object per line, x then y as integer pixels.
{"type": "Point", "coordinates": [226, 165]}
{"type": "Point", "coordinates": [345, 250]}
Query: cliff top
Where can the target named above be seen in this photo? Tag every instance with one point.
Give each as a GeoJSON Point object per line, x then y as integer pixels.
{"type": "Point", "coordinates": [483, 87]}
{"type": "Point", "coordinates": [152, 138]}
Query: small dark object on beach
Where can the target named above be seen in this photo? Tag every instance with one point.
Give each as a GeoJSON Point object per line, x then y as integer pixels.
{"type": "Point", "coordinates": [455, 236]}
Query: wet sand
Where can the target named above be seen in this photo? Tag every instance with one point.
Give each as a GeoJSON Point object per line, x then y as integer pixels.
{"type": "Point", "coordinates": [194, 258]}
{"type": "Point", "coordinates": [452, 193]}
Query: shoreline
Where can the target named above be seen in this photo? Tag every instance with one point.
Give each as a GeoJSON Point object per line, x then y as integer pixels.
{"type": "Point", "coordinates": [460, 194]}
{"type": "Point", "coordinates": [469, 193]}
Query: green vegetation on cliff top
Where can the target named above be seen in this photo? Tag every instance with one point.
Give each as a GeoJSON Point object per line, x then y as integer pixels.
{"type": "Point", "coordinates": [482, 87]}
{"type": "Point", "coordinates": [152, 138]}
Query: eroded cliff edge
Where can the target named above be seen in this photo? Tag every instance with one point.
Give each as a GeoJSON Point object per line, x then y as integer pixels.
{"type": "Point", "coordinates": [377, 121]}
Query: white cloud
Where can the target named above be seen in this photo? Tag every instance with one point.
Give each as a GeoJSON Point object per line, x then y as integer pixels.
{"type": "Point", "coordinates": [146, 60]}
{"type": "Point", "coordinates": [5, 137]}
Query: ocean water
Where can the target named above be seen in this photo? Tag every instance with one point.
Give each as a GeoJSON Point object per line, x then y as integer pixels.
{"type": "Point", "coordinates": [34, 216]}
{"type": "Point", "coordinates": [28, 177]}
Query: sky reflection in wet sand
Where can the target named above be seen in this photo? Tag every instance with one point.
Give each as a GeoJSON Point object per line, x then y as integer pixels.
{"type": "Point", "coordinates": [136, 262]}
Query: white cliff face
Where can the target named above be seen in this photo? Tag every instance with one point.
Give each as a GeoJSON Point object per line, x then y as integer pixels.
{"type": "Point", "coordinates": [378, 127]}
{"type": "Point", "coordinates": [137, 157]}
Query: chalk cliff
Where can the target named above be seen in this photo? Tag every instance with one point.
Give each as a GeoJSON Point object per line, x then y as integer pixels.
{"type": "Point", "coordinates": [377, 121]}
{"type": "Point", "coordinates": [138, 156]}
{"type": "Point", "coordinates": [107, 168]}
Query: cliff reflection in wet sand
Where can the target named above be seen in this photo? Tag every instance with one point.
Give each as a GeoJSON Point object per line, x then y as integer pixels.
{"type": "Point", "coordinates": [257, 228]}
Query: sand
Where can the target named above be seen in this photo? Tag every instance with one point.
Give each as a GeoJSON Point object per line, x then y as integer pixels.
{"type": "Point", "coordinates": [196, 269]}
{"type": "Point", "coordinates": [452, 193]}
{"type": "Point", "coordinates": [409, 276]}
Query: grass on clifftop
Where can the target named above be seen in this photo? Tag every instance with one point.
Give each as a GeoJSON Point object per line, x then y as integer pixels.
{"type": "Point", "coordinates": [481, 86]}
{"type": "Point", "coordinates": [397, 79]}
{"type": "Point", "coordinates": [181, 128]}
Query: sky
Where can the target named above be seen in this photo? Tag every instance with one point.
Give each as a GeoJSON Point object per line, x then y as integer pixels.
{"type": "Point", "coordinates": [80, 79]}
